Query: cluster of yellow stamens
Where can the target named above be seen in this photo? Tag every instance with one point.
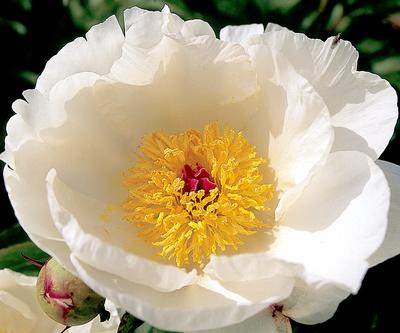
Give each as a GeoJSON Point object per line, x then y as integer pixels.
{"type": "Point", "coordinates": [190, 222]}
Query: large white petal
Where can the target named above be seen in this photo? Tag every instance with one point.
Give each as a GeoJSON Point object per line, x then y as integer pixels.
{"type": "Point", "coordinates": [190, 308]}
{"type": "Point", "coordinates": [145, 28]}
{"type": "Point", "coordinates": [44, 148]}
{"type": "Point", "coordinates": [19, 310]}
{"type": "Point", "coordinates": [391, 244]}
{"type": "Point", "coordinates": [187, 77]}
{"type": "Point", "coordinates": [313, 304]}
{"type": "Point", "coordinates": [38, 112]}
{"type": "Point", "coordinates": [262, 322]}
{"type": "Point", "coordinates": [239, 33]}
{"type": "Point", "coordinates": [96, 54]}
{"type": "Point", "coordinates": [248, 266]}
{"type": "Point", "coordinates": [292, 128]}
{"type": "Point", "coordinates": [338, 222]}
{"type": "Point", "coordinates": [149, 43]}
{"type": "Point", "coordinates": [35, 155]}
{"type": "Point", "coordinates": [362, 106]}
{"type": "Point", "coordinates": [18, 132]}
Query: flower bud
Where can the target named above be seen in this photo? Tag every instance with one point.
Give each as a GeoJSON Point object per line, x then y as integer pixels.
{"type": "Point", "coordinates": [65, 298]}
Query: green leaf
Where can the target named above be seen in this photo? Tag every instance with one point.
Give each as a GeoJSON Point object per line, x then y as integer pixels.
{"type": "Point", "coordinates": [11, 257]}
{"type": "Point", "coordinates": [129, 323]}
{"type": "Point", "coordinates": [282, 6]}
{"type": "Point", "coordinates": [26, 4]}
{"type": "Point", "coordinates": [335, 18]}
{"type": "Point", "coordinates": [13, 235]}
{"type": "Point", "coordinates": [232, 8]}
{"type": "Point", "coordinates": [28, 76]}
{"type": "Point", "coordinates": [387, 65]}
{"type": "Point", "coordinates": [370, 45]}
{"type": "Point", "coordinates": [19, 27]}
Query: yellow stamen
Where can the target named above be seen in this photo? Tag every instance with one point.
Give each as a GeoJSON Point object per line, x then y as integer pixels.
{"type": "Point", "coordinates": [191, 226]}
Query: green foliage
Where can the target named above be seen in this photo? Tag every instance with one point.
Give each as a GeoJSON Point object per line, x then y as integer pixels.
{"type": "Point", "coordinates": [13, 235]}
{"type": "Point", "coordinates": [13, 244]}
{"type": "Point", "coordinates": [11, 257]}
{"type": "Point", "coordinates": [129, 323]}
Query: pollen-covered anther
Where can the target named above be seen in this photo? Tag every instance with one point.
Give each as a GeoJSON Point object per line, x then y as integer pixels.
{"type": "Point", "coordinates": [195, 193]}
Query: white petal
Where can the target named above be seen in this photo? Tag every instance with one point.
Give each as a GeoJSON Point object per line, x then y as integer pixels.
{"type": "Point", "coordinates": [29, 199]}
{"type": "Point", "coordinates": [92, 240]}
{"type": "Point", "coordinates": [338, 222]}
{"type": "Point", "coordinates": [96, 53]}
{"type": "Point", "coordinates": [145, 29]}
{"type": "Point", "coordinates": [247, 266]}
{"type": "Point", "coordinates": [39, 112]}
{"type": "Point", "coordinates": [391, 244]}
{"type": "Point", "coordinates": [193, 28]}
{"type": "Point", "coordinates": [260, 323]}
{"type": "Point", "coordinates": [19, 309]}
{"type": "Point", "coordinates": [274, 27]}
{"type": "Point", "coordinates": [292, 128]}
{"type": "Point", "coordinates": [185, 95]}
{"type": "Point", "coordinates": [177, 74]}
{"type": "Point", "coordinates": [367, 123]}
{"type": "Point", "coordinates": [362, 106]}
{"type": "Point", "coordinates": [190, 308]}
{"type": "Point", "coordinates": [70, 143]}
{"type": "Point", "coordinates": [267, 291]}
{"type": "Point", "coordinates": [239, 33]}
{"type": "Point", "coordinates": [150, 39]}
{"type": "Point", "coordinates": [18, 132]}
{"type": "Point", "coordinates": [313, 304]}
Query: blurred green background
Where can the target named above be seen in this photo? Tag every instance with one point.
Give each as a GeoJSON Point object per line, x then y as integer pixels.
{"type": "Point", "coordinates": [32, 31]}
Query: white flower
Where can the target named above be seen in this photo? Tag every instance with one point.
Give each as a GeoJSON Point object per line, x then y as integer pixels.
{"type": "Point", "coordinates": [318, 122]}
{"type": "Point", "coordinates": [20, 312]}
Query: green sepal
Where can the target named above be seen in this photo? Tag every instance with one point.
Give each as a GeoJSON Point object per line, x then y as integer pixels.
{"type": "Point", "coordinates": [129, 323]}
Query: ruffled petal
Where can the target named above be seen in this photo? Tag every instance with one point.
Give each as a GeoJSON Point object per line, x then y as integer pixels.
{"type": "Point", "coordinates": [249, 266]}
{"type": "Point", "coordinates": [363, 106]}
{"type": "Point", "coordinates": [391, 244]}
{"type": "Point", "coordinates": [338, 222]}
{"type": "Point", "coordinates": [145, 28]}
{"type": "Point", "coordinates": [262, 322]}
{"type": "Point", "coordinates": [150, 39]}
{"type": "Point", "coordinates": [239, 33]}
{"type": "Point", "coordinates": [184, 89]}
{"type": "Point", "coordinates": [19, 309]}
{"type": "Point", "coordinates": [313, 304]}
{"type": "Point", "coordinates": [96, 54]}
{"type": "Point", "coordinates": [190, 308]}
{"type": "Point", "coordinates": [292, 128]}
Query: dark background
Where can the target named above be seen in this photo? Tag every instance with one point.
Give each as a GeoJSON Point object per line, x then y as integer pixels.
{"type": "Point", "coordinates": [32, 31]}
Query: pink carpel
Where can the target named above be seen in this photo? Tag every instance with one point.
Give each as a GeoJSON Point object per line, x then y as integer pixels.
{"type": "Point", "coordinates": [196, 180]}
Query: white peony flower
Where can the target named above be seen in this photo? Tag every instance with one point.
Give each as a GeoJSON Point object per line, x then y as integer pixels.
{"type": "Point", "coordinates": [20, 312]}
{"type": "Point", "coordinates": [247, 162]}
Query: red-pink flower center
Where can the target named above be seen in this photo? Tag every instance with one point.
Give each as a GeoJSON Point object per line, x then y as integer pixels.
{"type": "Point", "coordinates": [197, 179]}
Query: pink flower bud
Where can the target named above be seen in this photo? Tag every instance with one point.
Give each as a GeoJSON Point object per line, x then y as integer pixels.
{"type": "Point", "coordinates": [64, 297]}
